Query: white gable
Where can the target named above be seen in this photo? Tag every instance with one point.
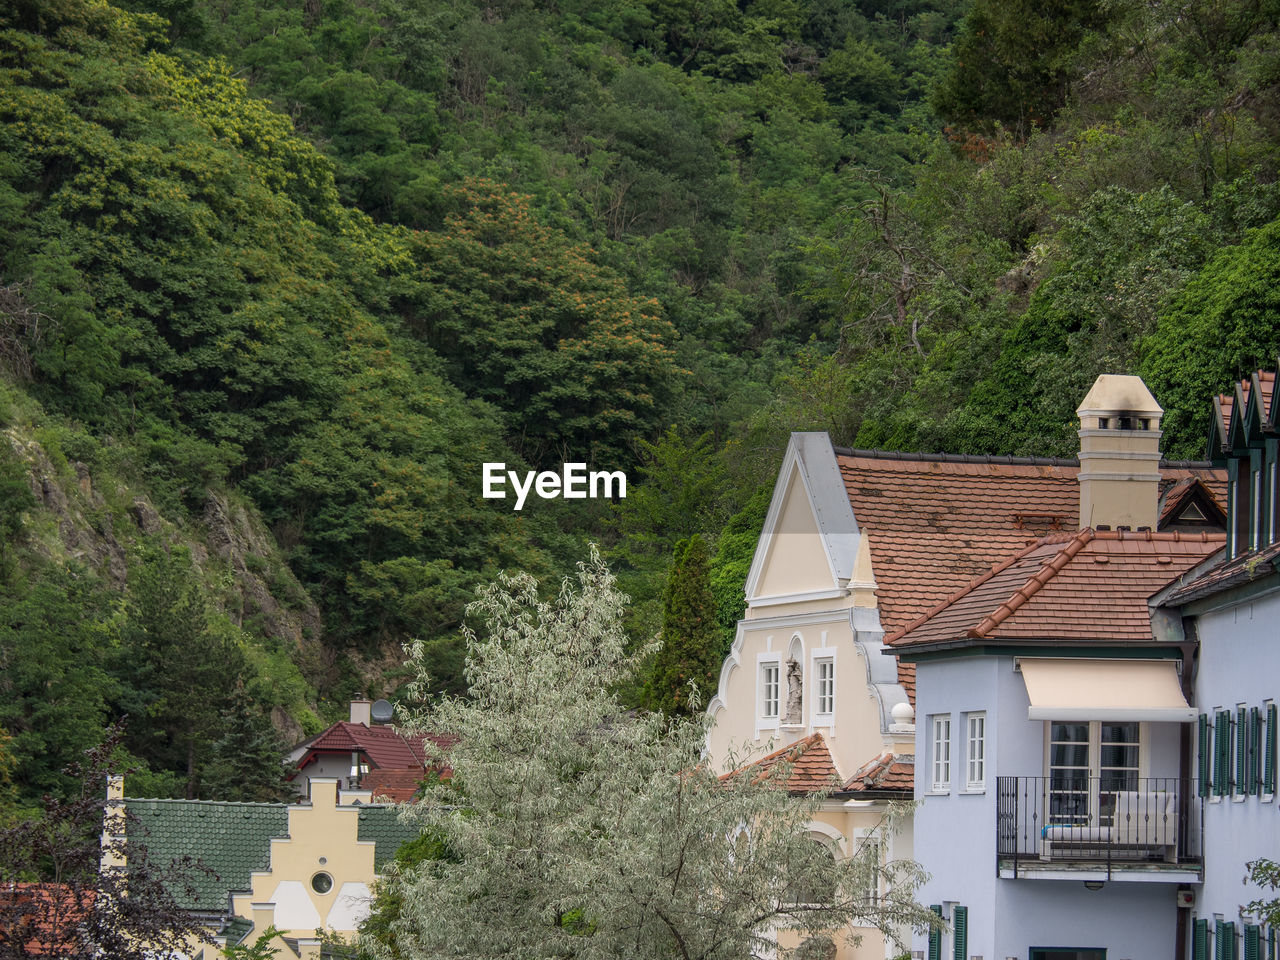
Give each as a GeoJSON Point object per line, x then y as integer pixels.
{"type": "Point", "coordinates": [810, 537]}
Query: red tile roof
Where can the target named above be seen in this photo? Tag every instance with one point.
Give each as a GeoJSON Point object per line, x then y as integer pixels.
{"type": "Point", "coordinates": [398, 786]}
{"type": "Point", "coordinates": [810, 768]}
{"type": "Point", "coordinates": [884, 773]}
{"type": "Point", "coordinates": [42, 919]}
{"type": "Point", "coordinates": [936, 522]}
{"type": "Point", "coordinates": [385, 746]}
{"type": "Point", "coordinates": [1092, 585]}
{"type": "Point", "coordinates": [1176, 498]}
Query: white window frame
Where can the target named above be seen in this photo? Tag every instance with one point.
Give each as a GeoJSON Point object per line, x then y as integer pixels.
{"type": "Point", "coordinates": [872, 838]}
{"type": "Point", "coordinates": [824, 688]}
{"type": "Point", "coordinates": [940, 752]}
{"type": "Point", "coordinates": [975, 752]}
{"type": "Point", "coordinates": [764, 664]}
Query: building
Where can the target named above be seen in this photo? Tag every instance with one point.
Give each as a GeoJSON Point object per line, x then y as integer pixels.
{"type": "Point", "coordinates": [1230, 616]}
{"type": "Point", "coordinates": [858, 544]}
{"type": "Point", "coordinates": [299, 867]}
{"type": "Point", "coordinates": [366, 752]}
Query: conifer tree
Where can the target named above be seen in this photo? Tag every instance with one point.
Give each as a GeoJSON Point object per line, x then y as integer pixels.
{"type": "Point", "coordinates": [690, 650]}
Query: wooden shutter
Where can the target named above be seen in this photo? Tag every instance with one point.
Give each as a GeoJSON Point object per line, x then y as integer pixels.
{"type": "Point", "coordinates": [1252, 942]}
{"type": "Point", "coordinates": [1202, 757]}
{"type": "Point", "coordinates": [1222, 754]}
{"type": "Point", "coordinates": [1231, 948]}
{"type": "Point", "coordinates": [960, 932]}
{"type": "Point", "coordinates": [1269, 755]}
{"type": "Point", "coordinates": [1200, 940]}
{"type": "Point", "coordinates": [1242, 750]}
{"type": "Point", "coordinates": [1255, 744]}
{"type": "Point", "coordinates": [935, 936]}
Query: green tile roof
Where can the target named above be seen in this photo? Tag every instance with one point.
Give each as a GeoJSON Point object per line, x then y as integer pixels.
{"type": "Point", "coordinates": [382, 825]}
{"type": "Point", "coordinates": [231, 839]}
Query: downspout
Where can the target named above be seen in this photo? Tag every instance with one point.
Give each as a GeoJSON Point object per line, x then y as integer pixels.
{"type": "Point", "coordinates": [1190, 650]}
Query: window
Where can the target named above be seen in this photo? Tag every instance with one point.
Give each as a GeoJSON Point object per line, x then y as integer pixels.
{"type": "Point", "coordinates": [942, 753]}
{"type": "Point", "coordinates": [976, 751]}
{"type": "Point", "coordinates": [826, 672]}
{"type": "Point", "coordinates": [1089, 762]}
{"type": "Point", "coordinates": [769, 690]}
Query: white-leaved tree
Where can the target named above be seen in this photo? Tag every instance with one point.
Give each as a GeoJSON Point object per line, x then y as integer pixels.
{"type": "Point", "coordinates": [571, 828]}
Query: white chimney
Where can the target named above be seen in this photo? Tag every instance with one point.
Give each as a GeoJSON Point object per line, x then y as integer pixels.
{"type": "Point", "coordinates": [1119, 454]}
{"type": "Point", "coordinates": [361, 710]}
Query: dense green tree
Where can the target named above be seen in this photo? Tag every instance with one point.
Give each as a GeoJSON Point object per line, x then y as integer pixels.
{"type": "Point", "coordinates": [1224, 325]}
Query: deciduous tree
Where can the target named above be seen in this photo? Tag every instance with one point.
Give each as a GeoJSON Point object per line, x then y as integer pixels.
{"type": "Point", "coordinates": [577, 830]}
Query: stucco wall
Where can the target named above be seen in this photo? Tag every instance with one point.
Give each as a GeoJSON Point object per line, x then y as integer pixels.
{"type": "Point", "coordinates": [1239, 663]}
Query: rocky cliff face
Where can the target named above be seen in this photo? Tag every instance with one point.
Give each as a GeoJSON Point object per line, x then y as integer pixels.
{"type": "Point", "coordinates": [104, 524]}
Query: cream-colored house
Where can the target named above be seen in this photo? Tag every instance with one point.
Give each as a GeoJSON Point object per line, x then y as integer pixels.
{"type": "Point", "coordinates": [301, 868]}
{"type": "Point", "coordinates": [858, 544]}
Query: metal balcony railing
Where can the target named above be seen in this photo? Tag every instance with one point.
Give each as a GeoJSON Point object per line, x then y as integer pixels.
{"type": "Point", "coordinates": [1117, 821]}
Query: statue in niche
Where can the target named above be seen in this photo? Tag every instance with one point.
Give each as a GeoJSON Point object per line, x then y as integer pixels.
{"type": "Point", "coordinates": [795, 694]}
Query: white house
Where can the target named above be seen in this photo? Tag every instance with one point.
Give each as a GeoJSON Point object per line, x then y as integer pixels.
{"type": "Point", "coordinates": [860, 543]}
{"type": "Point", "coordinates": [1232, 613]}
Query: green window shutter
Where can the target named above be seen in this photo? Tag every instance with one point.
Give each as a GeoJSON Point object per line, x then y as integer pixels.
{"type": "Point", "coordinates": [935, 936]}
{"type": "Point", "coordinates": [1269, 757]}
{"type": "Point", "coordinates": [1231, 949]}
{"type": "Point", "coordinates": [1271, 943]}
{"type": "Point", "coordinates": [1219, 940]}
{"type": "Point", "coordinates": [1252, 942]}
{"type": "Point", "coordinates": [1222, 755]}
{"type": "Point", "coordinates": [1202, 757]}
{"type": "Point", "coordinates": [1254, 750]}
{"type": "Point", "coordinates": [1200, 940]}
{"type": "Point", "coordinates": [1242, 750]}
{"type": "Point", "coordinates": [960, 931]}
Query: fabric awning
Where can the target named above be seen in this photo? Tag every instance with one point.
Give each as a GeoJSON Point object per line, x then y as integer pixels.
{"type": "Point", "coordinates": [1083, 689]}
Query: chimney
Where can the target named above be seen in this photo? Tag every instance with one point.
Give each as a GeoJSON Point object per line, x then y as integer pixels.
{"type": "Point", "coordinates": [362, 710]}
{"type": "Point", "coordinates": [1119, 454]}
{"type": "Point", "coordinates": [113, 825]}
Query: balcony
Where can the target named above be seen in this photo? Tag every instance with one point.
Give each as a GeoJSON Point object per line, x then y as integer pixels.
{"type": "Point", "coordinates": [1098, 828]}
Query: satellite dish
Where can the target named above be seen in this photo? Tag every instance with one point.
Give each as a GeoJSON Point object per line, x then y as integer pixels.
{"type": "Point", "coordinates": [381, 711]}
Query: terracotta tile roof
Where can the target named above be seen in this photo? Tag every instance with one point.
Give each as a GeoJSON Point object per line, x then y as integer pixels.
{"type": "Point", "coordinates": [384, 746]}
{"type": "Point", "coordinates": [42, 919]}
{"type": "Point", "coordinates": [1178, 496]}
{"type": "Point", "coordinates": [936, 522]}
{"type": "Point", "coordinates": [1092, 585]}
{"type": "Point", "coordinates": [1243, 569]}
{"type": "Point", "coordinates": [398, 786]}
{"type": "Point", "coordinates": [885, 773]}
{"type": "Point", "coordinates": [810, 767]}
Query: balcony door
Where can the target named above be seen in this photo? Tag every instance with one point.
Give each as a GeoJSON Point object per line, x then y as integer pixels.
{"type": "Point", "coordinates": [1089, 763]}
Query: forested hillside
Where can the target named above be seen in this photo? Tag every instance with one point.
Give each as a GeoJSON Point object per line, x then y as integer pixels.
{"type": "Point", "coordinates": [279, 276]}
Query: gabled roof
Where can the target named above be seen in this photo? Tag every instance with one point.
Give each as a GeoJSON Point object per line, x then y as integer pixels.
{"type": "Point", "coordinates": [1092, 586]}
{"type": "Point", "coordinates": [884, 775]}
{"type": "Point", "coordinates": [810, 768]}
{"type": "Point", "coordinates": [1243, 569]}
{"type": "Point", "coordinates": [385, 746]}
{"type": "Point", "coordinates": [1190, 501]}
{"type": "Point", "coordinates": [937, 521]}
{"type": "Point", "coordinates": [1244, 416]}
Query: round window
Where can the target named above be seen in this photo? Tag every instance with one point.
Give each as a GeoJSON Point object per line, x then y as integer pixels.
{"type": "Point", "coordinates": [322, 883]}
